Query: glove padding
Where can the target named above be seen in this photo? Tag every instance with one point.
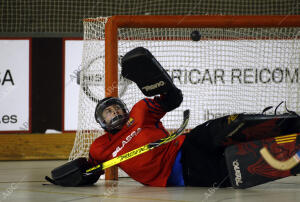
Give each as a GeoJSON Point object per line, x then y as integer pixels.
{"type": "Point", "coordinates": [141, 67]}
{"type": "Point", "coordinates": [73, 174]}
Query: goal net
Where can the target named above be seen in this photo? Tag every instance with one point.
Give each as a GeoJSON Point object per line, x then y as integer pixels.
{"type": "Point", "coordinates": [240, 64]}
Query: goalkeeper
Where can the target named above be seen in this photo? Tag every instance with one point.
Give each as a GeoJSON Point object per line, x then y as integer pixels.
{"type": "Point", "coordinates": [193, 159]}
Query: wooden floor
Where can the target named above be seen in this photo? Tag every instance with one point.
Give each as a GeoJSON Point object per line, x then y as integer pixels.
{"type": "Point", "coordinates": [23, 181]}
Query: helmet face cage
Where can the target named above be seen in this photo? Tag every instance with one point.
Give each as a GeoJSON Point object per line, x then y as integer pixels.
{"type": "Point", "coordinates": [118, 121]}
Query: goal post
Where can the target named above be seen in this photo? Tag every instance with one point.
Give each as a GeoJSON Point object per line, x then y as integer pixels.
{"type": "Point", "coordinates": [240, 64]}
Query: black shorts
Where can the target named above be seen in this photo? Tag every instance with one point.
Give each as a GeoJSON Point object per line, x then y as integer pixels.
{"type": "Point", "coordinates": [203, 165]}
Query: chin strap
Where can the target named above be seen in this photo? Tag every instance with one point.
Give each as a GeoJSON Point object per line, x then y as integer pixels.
{"type": "Point", "coordinates": [116, 122]}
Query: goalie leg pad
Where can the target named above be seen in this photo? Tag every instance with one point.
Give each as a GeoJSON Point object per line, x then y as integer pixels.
{"type": "Point", "coordinates": [141, 67]}
{"type": "Point", "coordinates": [238, 128]}
{"type": "Point", "coordinates": [246, 166]}
{"type": "Point", "coordinates": [73, 174]}
{"type": "Point", "coordinates": [260, 126]}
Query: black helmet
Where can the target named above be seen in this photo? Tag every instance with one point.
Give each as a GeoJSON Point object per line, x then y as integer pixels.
{"type": "Point", "coordinates": [118, 121]}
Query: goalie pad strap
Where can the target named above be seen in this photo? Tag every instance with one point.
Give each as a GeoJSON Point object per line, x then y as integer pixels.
{"type": "Point", "coordinates": [50, 180]}
{"type": "Point", "coordinates": [141, 67]}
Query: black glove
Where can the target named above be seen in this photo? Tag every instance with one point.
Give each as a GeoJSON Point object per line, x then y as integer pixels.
{"type": "Point", "coordinates": [73, 174]}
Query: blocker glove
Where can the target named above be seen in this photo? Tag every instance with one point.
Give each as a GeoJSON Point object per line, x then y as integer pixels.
{"type": "Point", "coordinates": [141, 67]}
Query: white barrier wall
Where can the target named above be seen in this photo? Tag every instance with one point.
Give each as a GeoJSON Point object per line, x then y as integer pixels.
{"type": "Point", "coordinates": [15, 85]}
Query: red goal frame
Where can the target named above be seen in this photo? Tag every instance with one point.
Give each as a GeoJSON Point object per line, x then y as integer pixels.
{"type": "Point", "coordinates": [178, 21]}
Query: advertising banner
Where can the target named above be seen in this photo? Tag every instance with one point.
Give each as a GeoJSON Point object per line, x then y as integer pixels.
{"type": "Point", "coordinates": [15, 85]}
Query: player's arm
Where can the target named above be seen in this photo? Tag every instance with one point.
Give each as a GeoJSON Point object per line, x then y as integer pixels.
{"type": "Point", "coordinates": [141, 67]}
{"type": "Point", "coordinates": [170, 100]}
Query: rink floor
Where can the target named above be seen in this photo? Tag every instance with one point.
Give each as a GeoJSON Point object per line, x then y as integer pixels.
{"type": "Point", "coordinates": [24, 181]}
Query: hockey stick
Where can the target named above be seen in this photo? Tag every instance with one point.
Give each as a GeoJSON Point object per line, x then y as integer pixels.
{"type": "Point", "coordinates": [143, 149]}
{"type": "Point", "coordinates": [280, 165]}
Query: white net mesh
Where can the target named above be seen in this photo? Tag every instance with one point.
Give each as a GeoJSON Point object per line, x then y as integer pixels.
{"type": "Point", "coordinates": [230, 70]}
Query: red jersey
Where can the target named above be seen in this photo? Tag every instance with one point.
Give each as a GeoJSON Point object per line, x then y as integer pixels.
{"type": "Point", "coordinates": [143, 126]}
